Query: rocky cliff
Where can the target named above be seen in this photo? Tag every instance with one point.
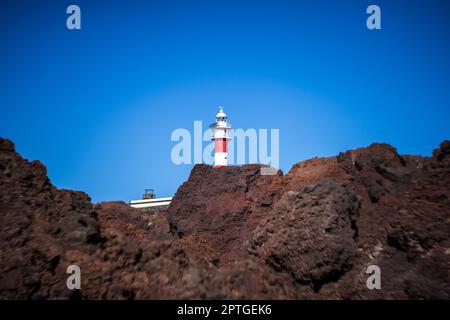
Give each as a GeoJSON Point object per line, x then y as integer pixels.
{"type": "Point", "coordinates": [234, 233]}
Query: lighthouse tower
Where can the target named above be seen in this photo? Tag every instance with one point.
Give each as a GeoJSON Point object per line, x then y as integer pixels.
{"type": "Point", "coordinates": [220, 130]}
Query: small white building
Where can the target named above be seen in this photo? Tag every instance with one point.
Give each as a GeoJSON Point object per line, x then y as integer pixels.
{"type": "Point", "coordinates": [150, 203]}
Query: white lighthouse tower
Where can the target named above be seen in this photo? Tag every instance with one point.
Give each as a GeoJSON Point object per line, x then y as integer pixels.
{"type": "Point", "coordinates": [220, 130]}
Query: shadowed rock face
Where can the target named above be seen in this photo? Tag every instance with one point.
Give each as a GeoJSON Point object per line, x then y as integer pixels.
{"type": "Point", "coordinates": [327, 220]}
{"type": "Point", "coordinates": [221, 207]}
{"type": "Point", "coordinates": [310, 233]}
{"type": "Point", "coordinates": [122, 253]}
{"type": "Point", "coordinates": [234, 233]}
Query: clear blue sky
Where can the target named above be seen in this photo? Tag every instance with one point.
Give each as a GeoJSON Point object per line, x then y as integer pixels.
{"type": "Point", "coordinates": [98, 105]}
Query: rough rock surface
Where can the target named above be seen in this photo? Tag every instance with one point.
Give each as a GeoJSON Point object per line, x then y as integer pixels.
{"type": "Point", "coordinates": [310, 233]}
{"type": "Point", "coordinates": [327, 220]}
{"type": "Point", "coordinates": [121, 255]}
{"type": "Point", "coordinates": [137, 224]}
{"type": "Point", "coordinates": [217, 209]}
{"type": "Point", "coordinates": [234, 233]}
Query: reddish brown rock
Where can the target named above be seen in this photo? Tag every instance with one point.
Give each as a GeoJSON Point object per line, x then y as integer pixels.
{"type": "Point", "coordinates": [120, 251]}
{"type": "Point", "coordinates": [310, 233]}
{"type": "Point", "coordinates": [401, 224]}
{"type": "Point", "coordinates": [137, 224]}
{"type": "Point", "coordinates": [234, 233]}
{"type": "Point", "coordinates": [216, 210]}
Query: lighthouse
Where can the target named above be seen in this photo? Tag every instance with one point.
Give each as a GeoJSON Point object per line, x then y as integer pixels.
{"type": "Point", "coordinates": [220, 136]}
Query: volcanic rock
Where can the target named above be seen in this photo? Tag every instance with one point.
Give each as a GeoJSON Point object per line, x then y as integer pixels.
{"type": "Point", "coordinates": [217, 209]}
{"type": "Point", "coordinates": [234, 233]}
{"type": "Point", "coordinates": [310, 233]}
{"type": "Point", "coordinates": [122, 254]}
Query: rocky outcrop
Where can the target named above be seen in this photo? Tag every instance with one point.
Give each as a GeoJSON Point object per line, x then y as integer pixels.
{"type": "Point", "coordinates": [134, 223]}
{"type": "Point", "coordinates": [327, 220]}
{"type": "Point", "coordinates": [235, 233]}
{"type": "Point", "coordinates": [310, 233]}
{"type": "Point", "coordinates": [216, 210]}
{"type": "Point", "coordinates": [122, 254]}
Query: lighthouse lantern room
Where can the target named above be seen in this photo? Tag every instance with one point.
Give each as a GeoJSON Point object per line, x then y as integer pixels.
{"type": "Point", "coordinates": [220, 130]}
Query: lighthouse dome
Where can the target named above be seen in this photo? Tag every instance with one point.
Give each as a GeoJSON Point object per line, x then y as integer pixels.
{"type": "Point", "coordinates": [221, 115]}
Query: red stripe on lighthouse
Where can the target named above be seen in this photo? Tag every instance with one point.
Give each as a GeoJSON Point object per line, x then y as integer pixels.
{"type": "Point", "coordinates": [221, 145]}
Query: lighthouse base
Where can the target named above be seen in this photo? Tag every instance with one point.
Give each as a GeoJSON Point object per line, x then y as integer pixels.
{"type": "Point", "coordinates": [220, 159]}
